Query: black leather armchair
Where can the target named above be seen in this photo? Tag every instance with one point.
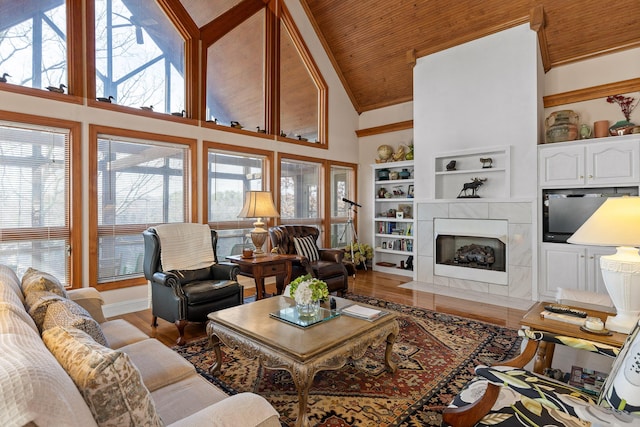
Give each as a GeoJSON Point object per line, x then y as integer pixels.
{"type": "Point", "coordinates": [328, 268]}
{"type": "Point", "coordinates": [182, 296]}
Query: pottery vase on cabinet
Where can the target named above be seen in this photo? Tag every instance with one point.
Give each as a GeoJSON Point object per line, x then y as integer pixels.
{"type": "Point", "coordinates": [562, 126]}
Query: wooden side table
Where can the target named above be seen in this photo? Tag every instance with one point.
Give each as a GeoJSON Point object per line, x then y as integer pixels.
{"type": "Point", "coordinates": [534, 320]}
{"type": "Point", "coordinates": [269, 265]}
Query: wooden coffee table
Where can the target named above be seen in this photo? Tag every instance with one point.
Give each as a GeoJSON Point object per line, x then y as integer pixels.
{"type": "Point", "coordinates": [301, 352]}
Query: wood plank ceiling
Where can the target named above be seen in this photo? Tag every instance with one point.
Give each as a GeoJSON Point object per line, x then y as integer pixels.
{"type": "Point", "coordinates": [374, 42]}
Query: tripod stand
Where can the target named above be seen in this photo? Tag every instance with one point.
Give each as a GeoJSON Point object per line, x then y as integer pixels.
{"type": "Point", "coordinates": [349, 227]}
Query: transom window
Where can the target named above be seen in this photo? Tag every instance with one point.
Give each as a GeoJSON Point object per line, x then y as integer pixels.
{"type": "Point", "coordinates": [33, 43]}
{"type": "Point", "coordinates": [139, 56]}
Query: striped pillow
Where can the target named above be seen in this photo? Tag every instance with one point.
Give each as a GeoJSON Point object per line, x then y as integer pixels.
{"type": "Point", "coordinates": [306, 247]}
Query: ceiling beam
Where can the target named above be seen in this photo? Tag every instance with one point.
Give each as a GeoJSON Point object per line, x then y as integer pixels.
{"type": "Point", "coordinates": [537, 24]}
{"type": "Point", "coordinates": [229, 20]}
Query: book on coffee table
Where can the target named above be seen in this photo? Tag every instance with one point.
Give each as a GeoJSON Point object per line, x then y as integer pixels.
{"type": "Point", "coordinates": [361, 312]}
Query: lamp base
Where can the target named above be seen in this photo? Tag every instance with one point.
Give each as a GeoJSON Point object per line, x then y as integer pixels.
{"type": "Point", "coordinates": [621, 275]}
{"type": "Point", "coordinates": [258, 237]}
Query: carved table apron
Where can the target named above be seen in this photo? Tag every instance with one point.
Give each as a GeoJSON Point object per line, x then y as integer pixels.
{"type": "Point", "coordinates": [303, 367]}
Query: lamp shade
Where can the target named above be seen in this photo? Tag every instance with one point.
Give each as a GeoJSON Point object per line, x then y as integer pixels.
{"type": "Point", "coordinates": [615, 223]}
{"type": "Point", "coordinates": [258, 204]}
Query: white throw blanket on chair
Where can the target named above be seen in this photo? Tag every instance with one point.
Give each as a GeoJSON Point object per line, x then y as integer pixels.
{"type": "Point", "coordinates": [185, 246]}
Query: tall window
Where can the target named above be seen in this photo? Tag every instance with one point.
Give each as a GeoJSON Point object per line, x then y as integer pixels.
{"type": "Point", "coordinates": [139, 55]}
{"type": "Point", "coordinates": [343, 214]}
{"type": "Point", "coordinates": [235, 75]}
{"type": "Point", "coordinates": [301, 192]}
{"type": "Point", "coordinates": [229, 176]}
{"type": "Point", "coordinates": [35, 186]}
{"type": "Point", "coordinates": [140, 183]}
{"type": "Point", "coordinates": [33, 43]}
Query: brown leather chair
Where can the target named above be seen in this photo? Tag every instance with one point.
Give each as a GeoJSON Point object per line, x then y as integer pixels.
{"type": "Point", "coordinates": [329, 268]}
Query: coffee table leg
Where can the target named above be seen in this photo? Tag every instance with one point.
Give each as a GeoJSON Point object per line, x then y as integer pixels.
{"type": "Point", "coordinates": [391, 365]}
{"type": "Point", "coordinates": [217, 365]}
{"type": "Point", "coordinates": [302, 378]}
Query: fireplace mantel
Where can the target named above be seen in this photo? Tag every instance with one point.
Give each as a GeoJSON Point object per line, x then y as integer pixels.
{"type": "Point", "coordinates": [518, 232]}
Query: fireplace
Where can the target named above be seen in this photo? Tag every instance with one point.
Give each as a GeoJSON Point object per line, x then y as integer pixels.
{"type": "Point", "coordinates": [471, 249]}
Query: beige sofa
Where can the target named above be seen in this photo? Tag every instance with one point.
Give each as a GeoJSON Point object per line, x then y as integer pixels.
{"type": "Point", "coordinates": [55, 372]}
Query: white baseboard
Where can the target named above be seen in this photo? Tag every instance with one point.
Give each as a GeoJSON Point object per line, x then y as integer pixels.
{"type": "Point", "coordinates": [124, 307]}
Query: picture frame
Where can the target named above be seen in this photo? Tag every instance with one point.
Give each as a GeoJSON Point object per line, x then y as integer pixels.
{"type": "Point", "coordinates": [410, 191]}
{"type": "Point", "coordinates": [399, 214]}
{"type": "Point", "coordinates": [407, 210]}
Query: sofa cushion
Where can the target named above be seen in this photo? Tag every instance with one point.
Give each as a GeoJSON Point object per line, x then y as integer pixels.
{"type": "Point", "coordinates": [306, 247]}
{"type": "Point", "coordinates": [157, 363]}
{"type": "Point", "coordinates": [67, 313]}
{"type": "Point", "coordinates": [37, 303]}
{"type": "Point", "coordinates": [110, 384]}
{"type": "Point", "coordinates": [10, 289]}
{"type": "Point", "coordinates": [90, 299]}
{"type": "Point", "coordinates": [35, 389]}
{"type": "Point", "coordinates": [119, 333]}
{"type": "Point", "coordinates": [621, 390]}
{"type": "Point", "coordinates": [36, 280]}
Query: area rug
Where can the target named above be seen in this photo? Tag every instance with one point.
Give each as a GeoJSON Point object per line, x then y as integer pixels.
{"type": "Point", "coordinates": [435, 352]}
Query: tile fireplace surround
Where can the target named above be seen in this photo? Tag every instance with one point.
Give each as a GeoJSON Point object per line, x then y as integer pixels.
{"type": "Point", "coordinates": [521, 231]}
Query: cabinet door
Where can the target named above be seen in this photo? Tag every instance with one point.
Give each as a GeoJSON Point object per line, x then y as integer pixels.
{"type": "Point", "coordinates": [561, 166]}
{"type": "Point", "coordinates": [594, 275]}
{"type": "Point", "coordinates": [613, 163]}
{"type": "Point", "coordinates": [562, 266]}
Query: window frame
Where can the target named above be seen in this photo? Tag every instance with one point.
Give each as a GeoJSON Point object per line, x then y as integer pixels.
{"type": "Point", "coordinates": [73, 184]}
{"type": "Point", "coordinates": [190, 179]}
{"type": "Point", "coordinates": [331, 220]}
{"type": "Point", "coordinates": [267, 181]}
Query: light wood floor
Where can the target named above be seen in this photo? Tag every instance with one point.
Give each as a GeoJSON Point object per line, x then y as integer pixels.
{"type": "Point", "coordinates": [384, 286]}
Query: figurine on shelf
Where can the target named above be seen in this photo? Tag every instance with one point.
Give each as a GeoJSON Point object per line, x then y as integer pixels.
{"type": "Point", "coordinates": [235, 124]}
{"type": "Point", "coordinates": [486, 162]}
{"type": "Point", "coordinates": [399, 154]}
{"type": "Point", "coordinates": [451, 166]}
{"type": "Point", "coordinates": [473, 186]}
{"type": "Point", "coordinates": [398, 191]}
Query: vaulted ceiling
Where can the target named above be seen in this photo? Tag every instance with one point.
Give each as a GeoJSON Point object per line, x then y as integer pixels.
{"type": "Point", "coordinates": [373, 43]}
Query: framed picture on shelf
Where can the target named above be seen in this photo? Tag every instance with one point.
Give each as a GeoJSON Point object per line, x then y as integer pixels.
{"type": "Point", "coordinates": [407, 210]}
{"type": "Point", "coordinates": [399, 214]}
{"type": "Point", "coordinates": [410, 191]}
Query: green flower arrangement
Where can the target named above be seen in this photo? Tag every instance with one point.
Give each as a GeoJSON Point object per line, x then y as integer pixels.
{"type": "Point", "coordinates": [306, 289]}
{"type": "Point", "coordinates": [361, 253]}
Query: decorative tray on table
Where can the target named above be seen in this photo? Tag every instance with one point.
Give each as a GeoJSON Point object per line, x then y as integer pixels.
{"type": "Point", "coordinates": [290, 315]}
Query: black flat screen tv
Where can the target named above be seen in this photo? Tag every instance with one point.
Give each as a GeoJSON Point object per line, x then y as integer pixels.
{"type": "Point", "coordinates": [565, 210]}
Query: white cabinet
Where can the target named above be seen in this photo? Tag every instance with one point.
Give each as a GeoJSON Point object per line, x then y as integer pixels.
{"type": "Point", "coordinates": [587, 164]}
{"type": "Point", "coordinates": [491, 165]}
{"type": "Point", "coordinates": [571, 267]}
{"type": "Point", "coordinates": [393, 217]}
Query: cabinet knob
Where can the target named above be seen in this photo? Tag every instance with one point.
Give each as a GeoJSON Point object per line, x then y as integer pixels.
{"type": "Point", "coordinates": [590, 176]}
{"type": "Point", "coordinates": [581, 176]}
{"type": "Point", "coordinates": [591, 257]}
{"type": "Point", "coordinates": [581, 256]}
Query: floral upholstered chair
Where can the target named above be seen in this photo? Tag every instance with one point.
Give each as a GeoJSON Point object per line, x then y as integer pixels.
{"type": "Point", "coordinates": [508, 395]}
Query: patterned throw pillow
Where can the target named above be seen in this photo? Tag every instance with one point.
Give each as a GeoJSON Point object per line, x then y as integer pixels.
{"type": "Point", "coordinates": [37, 303]}
{"type": "Point", "coordinates": [110, 384]}
{"type": "Point", "coordinates": [620, 390]}
{"type": "Point", "coordinates": [306, 247]}
{"type": "Point", "coordinates": [68, 313]}
{"type": "Point", "coordinates": [35, 280]}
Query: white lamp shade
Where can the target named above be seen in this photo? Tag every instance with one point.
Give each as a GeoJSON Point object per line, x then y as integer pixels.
{"type": "Point", "coordinates": [615, 223]}
{"type": "Point", "coordinates": [258, 204]}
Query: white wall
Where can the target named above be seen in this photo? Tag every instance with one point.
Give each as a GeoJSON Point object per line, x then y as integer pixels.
{"type": "Point", "coordinates": [481, 93]}
{"type": "Point", "coordinates": [343, 121]}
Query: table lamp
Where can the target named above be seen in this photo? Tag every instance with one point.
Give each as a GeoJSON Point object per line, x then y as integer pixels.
{"type": "Point", "coordinates": [617, 223]}
{"type": "Point", "coordinates": [258, 204]}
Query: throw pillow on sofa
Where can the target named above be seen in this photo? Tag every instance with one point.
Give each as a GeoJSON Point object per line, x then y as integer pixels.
{"type": "Point", "coordinates": [110, 384]}
{"type": "Point", "coordinates": [37, 303]}
{"type": "Point", "coordinates": [68, 313]}
{"type": "Point", "coordinates": [36, 280]}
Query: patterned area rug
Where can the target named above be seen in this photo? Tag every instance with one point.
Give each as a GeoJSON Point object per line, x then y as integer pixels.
{"type": "Point", "coordinates": [435, 352]}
